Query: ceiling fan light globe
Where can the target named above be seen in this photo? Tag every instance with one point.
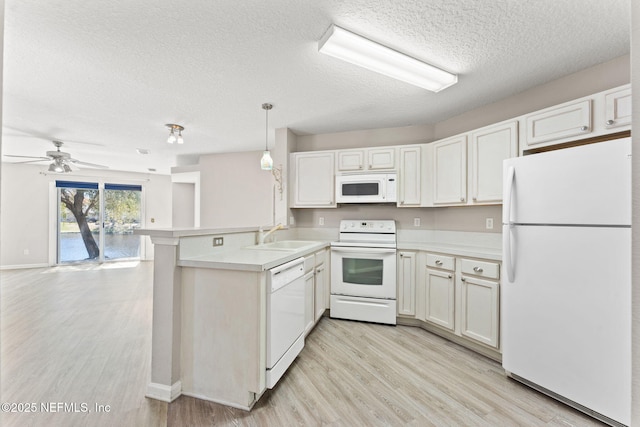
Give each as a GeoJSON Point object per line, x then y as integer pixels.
{"type": "Point", "coordinates": [171, 139]}
{"type": "Point", "coordinates": [180, 140]}
{"type": "Point", "coordinates": [52, 167]}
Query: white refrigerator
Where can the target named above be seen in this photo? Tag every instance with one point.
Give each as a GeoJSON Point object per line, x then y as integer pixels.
{"type": "Point", "coordinates": [566, 293]}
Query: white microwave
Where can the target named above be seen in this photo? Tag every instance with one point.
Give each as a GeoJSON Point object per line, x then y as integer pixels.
{"type": "Point", "coordinates": [366, 188]}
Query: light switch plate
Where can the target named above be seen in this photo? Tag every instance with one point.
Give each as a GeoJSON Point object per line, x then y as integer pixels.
{"type": "Point", "coordinates": [218, 241]}
{"type": "Point", "coordinates": [489, 223]}
{"type": "Point", "coordinates": [416, 222]}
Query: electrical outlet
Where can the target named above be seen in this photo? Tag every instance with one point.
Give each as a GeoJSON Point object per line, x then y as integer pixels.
{"type": "Point", "coordinates": [489, 223]}
{"type": "Point", "coordinates": [416, 222]}
{"type": "Point", "coordinates": [218, 241]}
{"type": "Point", "coordinates": [292, 220]}
{"type": "Point", "coordinates": [321, 220]}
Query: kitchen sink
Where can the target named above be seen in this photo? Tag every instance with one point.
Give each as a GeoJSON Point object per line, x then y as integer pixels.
{"type": "Point", "coordinates": [284, 245]}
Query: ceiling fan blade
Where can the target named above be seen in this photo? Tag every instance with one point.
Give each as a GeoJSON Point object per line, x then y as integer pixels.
{"type": "Point", "coordinates": [92, 165]}
{"type": "Point", "coordinates": [30, 161]}
{"type": "Point", "coordinates": [28, 133]}
{"type": "Point", "coordinates": [28, 157]}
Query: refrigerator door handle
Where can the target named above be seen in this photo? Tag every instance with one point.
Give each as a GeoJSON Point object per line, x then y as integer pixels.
{"type": "Point", "coordinates": [511, 174]}
{"type": "Point", "coordinates": [506, 234]}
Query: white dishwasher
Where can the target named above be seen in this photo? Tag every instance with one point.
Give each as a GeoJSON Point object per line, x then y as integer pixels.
{"type": "Point", "coordinates": [285, 317]}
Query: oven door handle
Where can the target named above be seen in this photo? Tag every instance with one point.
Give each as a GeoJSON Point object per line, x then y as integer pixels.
{"type": "Point", "coordinates": [363, 250]}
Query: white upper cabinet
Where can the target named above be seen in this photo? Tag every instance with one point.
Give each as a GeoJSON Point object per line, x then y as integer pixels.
{"type": "Point", "coordinates": [350, 160]}
{"type": "Point", "coordinates": [366, 159]}
{"type": "Point", "coordinates": [312, 179]}
{"type": "Point", "coordinates": [489, 147]}
{"type": "Point", "coordinates": [381, 158]}
{"type": "Point", "coordinates": [617, 104]}
{"type": "Point", "coordinates": [410, 176]}
{"type": "Point", "coordinates": [572, 119]}
{"type": "Point", "coordinates": [592, 116]}
{"type": "Point", "coordinates": [450, 171]}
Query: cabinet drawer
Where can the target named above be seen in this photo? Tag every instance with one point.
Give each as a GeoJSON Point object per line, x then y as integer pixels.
{"type": "Point", "coordinates": [444, 262]}
{"type": "Point", "coordinates": [480, 268]}
{"type": "Point", "coordinates": [321, 257]}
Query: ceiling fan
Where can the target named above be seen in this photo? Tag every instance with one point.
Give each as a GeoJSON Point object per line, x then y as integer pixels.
{"type": "Point", "coordinates": [61, 161]}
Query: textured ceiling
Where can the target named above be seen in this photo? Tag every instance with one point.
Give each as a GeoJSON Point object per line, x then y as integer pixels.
{"type": "Point", "coordinates": [105, 76]}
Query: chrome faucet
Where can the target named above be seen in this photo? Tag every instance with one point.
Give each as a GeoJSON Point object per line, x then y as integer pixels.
{"type": "Point", "coordinates": [262, 235]}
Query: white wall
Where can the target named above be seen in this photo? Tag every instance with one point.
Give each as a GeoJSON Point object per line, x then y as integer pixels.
{"type": "Point", "coordinates": [635, 294]}
{"type": "Point", "coordinates": [234, 191]}
{"type": "Point", "coordinates": [184, 198]}
{"type": "Point", "coordinates": [25, 221]}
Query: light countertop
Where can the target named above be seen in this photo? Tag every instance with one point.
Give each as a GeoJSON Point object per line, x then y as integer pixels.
{"type": "Point", "coordinates": [249, 259]}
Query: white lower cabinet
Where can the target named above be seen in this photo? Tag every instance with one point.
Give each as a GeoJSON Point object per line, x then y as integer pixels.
{"type": "Point", "coordinates": [406, 297]}
{"type": "Point", "coordinates": [479, 306]}
{"type": "Point", "coordinates": [440, 293]}
{"type": "Point", "coordinates": [309, 319]}
{"type": "Point", "coordinates": [316, 294]}
{"type": "Point", "coordinates": [321, 290]}
{"type": "Point", "coordinates": [457, 295]}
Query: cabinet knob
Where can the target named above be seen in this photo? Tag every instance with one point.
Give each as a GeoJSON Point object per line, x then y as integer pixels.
{"type": "Point", "coordinates": [438, 262]}
{"type": "Point", "coordinates": [402, 202]}
{"type": "Point", "coordinates": [464, 279]}
{"type": "Point", "coordinates": [449, 276]}
{"type": "Point", "coordinates": [584, 128]}
{"type": "Point", "coordinates": [475, 199]}
{"type": "Point", "coordinates": [477, 269]}
{"type": "Point", "coordinates": [462, 199]}
{"type": "Point", "coordinates": [610, 122]}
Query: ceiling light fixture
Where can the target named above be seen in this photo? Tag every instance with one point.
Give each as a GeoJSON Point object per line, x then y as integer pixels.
{"type": "Point", "coordinates": [266, 162]}
{"type": "Point", "coordinates": [350, 47]}
{"type": "Point", "coordinates": [59, 166]}
{"type": "Point", "coordinates": [172, 133]}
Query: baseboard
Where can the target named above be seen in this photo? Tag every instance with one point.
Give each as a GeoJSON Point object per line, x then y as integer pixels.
{"type": "Point", "coordinates": [163, 392]}
{"type": "Point", "coordinates": [23, 266]}
{"type": "Point", "coordinates": [222, 402]}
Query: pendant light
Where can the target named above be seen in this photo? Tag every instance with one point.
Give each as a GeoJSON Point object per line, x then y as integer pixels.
{"type": "Point", "coordinates": [266, 163]}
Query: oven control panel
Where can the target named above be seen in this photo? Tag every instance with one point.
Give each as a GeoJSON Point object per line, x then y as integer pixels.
{"type": "Point", "coordinates": [368, 226]}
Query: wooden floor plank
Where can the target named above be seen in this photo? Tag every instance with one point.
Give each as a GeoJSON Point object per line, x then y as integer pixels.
{"type": "Point", "coordinates": [82, 334]}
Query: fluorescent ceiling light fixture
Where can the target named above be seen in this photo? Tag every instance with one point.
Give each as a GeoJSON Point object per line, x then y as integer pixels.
{"type": "Point", "coordinates": [350, 47]}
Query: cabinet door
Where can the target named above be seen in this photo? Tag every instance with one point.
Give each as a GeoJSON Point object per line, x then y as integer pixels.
{"type": "Point", "coordinates": [556, 123]}
{"type": "Point", "coordinates": [480, 310]}
{"type": "Point", "coordinates": [617, 108]}
{"type": "Point", "coordinates": [381, 158]}
{"type": "Point", "coordinates": [313, 179]}
{"type": "Point", "coordinates": [407, 284]}
{"type": "Point", "coordinates": [489, 147]}
{"type": "Point", "coordinates": [440, 298]}
{"type": "Point", "coordinates": [309, 319]}
{"type": "Point", "coordinates": [409, 176]}
{"type": "Point", "coordinates": [350, 160]}
{"type": "Point", "coordinates": [320, 292]}
{"type": "Point", "coordinates": [450, 171]}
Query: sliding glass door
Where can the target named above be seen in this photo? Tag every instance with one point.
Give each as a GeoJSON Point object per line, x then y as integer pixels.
{"type": "Point", "coordinates": [122, 215]}
{"type": "Point", "coordinates": [96, 223]}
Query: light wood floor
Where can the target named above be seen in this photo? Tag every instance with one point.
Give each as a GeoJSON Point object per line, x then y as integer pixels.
{"type": "Point", "coordinates": [81, 335]}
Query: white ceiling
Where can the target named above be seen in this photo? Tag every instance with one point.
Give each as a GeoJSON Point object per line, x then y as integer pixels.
{"type": "Point", "coordinates": [105, 76]}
